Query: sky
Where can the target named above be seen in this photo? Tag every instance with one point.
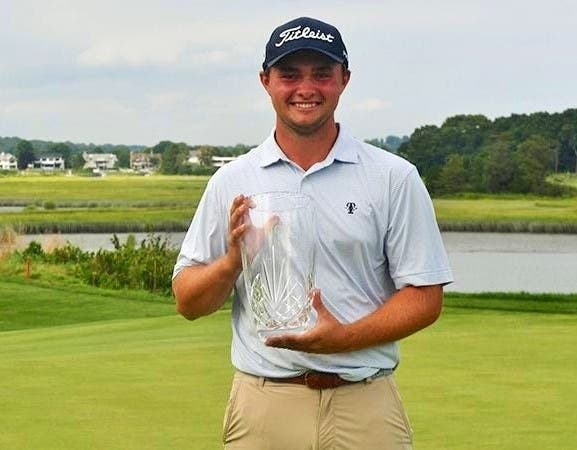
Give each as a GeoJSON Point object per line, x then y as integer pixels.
{"type": "Point", "coordinates": [139, 72]}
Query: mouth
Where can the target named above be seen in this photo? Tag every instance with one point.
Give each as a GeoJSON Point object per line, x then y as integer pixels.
{"type": "Point", "coordinates": [305, 106]}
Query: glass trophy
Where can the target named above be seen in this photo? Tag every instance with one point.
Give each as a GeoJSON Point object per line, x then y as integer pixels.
{"type": "Point", "coordinates": [278, 260]}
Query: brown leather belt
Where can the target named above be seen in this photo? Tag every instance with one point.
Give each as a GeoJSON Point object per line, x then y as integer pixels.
{"type": "Point", "coordinates": [315, 380]}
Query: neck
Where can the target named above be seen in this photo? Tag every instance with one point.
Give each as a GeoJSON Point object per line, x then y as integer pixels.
{"type": "Point", "coordinates": [307, 149]}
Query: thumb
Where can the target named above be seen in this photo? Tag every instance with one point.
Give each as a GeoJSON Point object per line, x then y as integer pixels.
{"type": "Point", "coordinates": [317, 302]}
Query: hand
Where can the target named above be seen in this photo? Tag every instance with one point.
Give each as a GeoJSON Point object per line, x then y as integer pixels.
{"type": "Point", "coordinates": [327, 336]}
{"type": "Point", "coordinates": [237, 226]}
{"type": "Point", "coordinates": [241, 227]}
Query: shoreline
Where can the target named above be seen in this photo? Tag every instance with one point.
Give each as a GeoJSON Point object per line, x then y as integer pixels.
{"type": "Point", "coordinates": [182, 226]}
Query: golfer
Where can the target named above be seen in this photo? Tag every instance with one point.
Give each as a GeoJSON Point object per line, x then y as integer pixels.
{"type": "Point", "coordinates": [380, 264]}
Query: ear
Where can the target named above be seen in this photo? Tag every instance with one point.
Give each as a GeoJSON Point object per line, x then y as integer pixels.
{"type": "Point", "coordinates": [265, 79]}
{"type": "Point", "coordinates": [346, 77]}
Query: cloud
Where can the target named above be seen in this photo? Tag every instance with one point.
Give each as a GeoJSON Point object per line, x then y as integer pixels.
{"type": "Point", "coordinates": [40, 107]}
{"type": "Point", "coordinates": [372, 104]}
{"type": "Point", "coordinates": [131, 53]}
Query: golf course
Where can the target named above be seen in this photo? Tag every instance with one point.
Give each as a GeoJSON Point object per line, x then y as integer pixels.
{"type": "Point", "coordinates": [83, 367]}
{"type": "Point", "coordinates": [119, 370]}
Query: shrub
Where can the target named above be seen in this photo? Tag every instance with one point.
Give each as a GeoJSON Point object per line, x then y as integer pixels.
{"type": "Point", "coordinates": [34, 251]}
{"type": "Point", "coordinates": [146, 266]}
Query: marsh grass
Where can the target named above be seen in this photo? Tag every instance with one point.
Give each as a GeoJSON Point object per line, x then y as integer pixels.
{"type": "Point", "coordinates": [511, 214]}
{"type": "Point", "coordinates": [115, 189]}
{"type": "Point", "coordinates": [123, 203]}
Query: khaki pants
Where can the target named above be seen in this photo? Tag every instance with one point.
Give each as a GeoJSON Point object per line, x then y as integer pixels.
{"type": "Point", "coordinates": [264, 415]}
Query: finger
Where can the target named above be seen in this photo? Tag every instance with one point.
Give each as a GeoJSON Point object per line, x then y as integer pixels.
{"type": "Point", "coordinates": [287, 341]}
{"type": "Point", "coordinates": [272, 222]}
{"type": "Point", "coordinates": [317, 301]}
{"type": "Point", "coordinates": [236, 202]}
{"type": "Point", "coordinates": [237, 232]}
{"type": "Point", "coordinates": [237, 215]}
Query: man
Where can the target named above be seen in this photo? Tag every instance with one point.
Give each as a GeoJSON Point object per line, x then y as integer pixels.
{"type": "Point", "coordinates": [381, 264]}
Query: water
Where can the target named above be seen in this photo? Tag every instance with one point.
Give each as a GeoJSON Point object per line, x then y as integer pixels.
{"type": "Point", "coordinates": [480, 261]}
{"type": "Point", "coordinates": [512, 262]}
{"type": "Point", "coordinates": [93, 241]}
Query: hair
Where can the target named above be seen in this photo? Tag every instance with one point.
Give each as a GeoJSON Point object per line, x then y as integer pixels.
{"type": "Point", "coordinates": [344, 68]}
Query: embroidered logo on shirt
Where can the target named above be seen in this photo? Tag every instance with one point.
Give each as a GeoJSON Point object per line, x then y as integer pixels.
{"type": "Point", "coordinates": [351, 207]}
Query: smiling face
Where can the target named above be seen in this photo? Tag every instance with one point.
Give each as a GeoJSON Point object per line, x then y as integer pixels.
{"type": "Point", "coordinates": [304, 89]}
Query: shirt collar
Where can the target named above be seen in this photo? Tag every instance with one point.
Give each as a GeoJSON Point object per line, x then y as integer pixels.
{"type": "Point", "coordinates": [344, 150]}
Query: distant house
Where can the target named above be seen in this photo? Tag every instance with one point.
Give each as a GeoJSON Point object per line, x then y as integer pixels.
{"type": "Point", "coordinates": [193, 157]}
{"type": "Point", "coordinates": [143, 162]}
{"type": "Point", "coordinates": [219, 161]}
{"type": "Point", "coordinates": [100, 161]}
{"type": "Point", "coordinates": [49, 163]}
{"type": "Point", "coordinates": [8, 162]}
{"type": "Point", "coordinates": [215, 161]}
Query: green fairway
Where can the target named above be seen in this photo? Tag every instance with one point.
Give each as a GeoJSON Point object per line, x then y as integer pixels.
{"type": "Point", "coordinates": [495, 372]}
{"type": "Point", "coordinates": [158, 383]}
{"type": "Point", "coordinates": [24, 305]}
{"type": "Point", "coordinates": [492, 380]}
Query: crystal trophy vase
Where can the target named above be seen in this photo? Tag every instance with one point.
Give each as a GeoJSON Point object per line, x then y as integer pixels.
{"type": "Point", "coordinates": [278, 260]}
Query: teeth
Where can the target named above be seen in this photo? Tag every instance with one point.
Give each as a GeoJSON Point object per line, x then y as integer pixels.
{"type": "Point", "coordinates": [305, 105]}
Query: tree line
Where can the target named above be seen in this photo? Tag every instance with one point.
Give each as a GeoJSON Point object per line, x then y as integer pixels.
{"type": "Point", "coordinates": [29, 151]}
{"type": "Point", "coordinates": [470, 153]}
{"type": "Point", "coordinates": [467, 153]}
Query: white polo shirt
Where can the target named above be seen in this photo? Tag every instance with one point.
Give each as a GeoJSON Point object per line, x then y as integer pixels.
{"type": "Point", "coordinates": [377, 233]}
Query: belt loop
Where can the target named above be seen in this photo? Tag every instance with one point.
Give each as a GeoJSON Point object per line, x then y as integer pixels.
{"type": "Point", "coordinates": [379, 373]}
{"type": "Point", "coordinates": [261, 381]}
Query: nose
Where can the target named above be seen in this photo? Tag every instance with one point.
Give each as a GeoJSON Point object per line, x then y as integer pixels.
{"type": "Point", "coordinates": [306, 88]}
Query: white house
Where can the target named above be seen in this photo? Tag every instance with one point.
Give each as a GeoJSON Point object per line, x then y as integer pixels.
{"type": "Point", "coordinates": [193, 157]}
{"type": "Point", "coordinates": [49, 163]}
{"type": "Point", "coordinates": [8, 161]}
{"type": "Point", "coordinates": [219, 161]}
{"type": "Point", "coordinates": [99, 161]}
{"type": "Point", "coordinates": [215, 161]}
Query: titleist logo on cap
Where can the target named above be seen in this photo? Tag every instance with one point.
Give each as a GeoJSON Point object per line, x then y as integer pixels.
{"type": "Point", "coordinates": [304, 33]}
{"type": "Point", "coordinates": [292, 34]}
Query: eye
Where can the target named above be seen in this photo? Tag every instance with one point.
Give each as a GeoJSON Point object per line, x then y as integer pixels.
{"type": "Point", "coordinates": [323, 75]}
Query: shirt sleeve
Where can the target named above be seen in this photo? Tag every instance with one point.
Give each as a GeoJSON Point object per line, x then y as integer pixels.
{"type": "Point", "coordinates": [206, 238]}
{"type": "Point", "coordinates": [414, 246]}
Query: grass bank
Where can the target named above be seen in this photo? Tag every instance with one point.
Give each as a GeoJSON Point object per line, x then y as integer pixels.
{"type": "Point", "coordinates": [496, 371]}
{"type": "Point", "coordinates": [117, 189]}
{"type": "Point", "coordinates": [99, 220]}
{"type": "Point", "coordinates": [121, 203]}
{"type": "Point", "coordinates": [508, 214]}
{"type": "Point", "coordinates": [27, 305]}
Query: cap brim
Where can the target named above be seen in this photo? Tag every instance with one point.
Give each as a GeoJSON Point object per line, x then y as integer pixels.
{"type": "Point", "coordinates": [272, 62]}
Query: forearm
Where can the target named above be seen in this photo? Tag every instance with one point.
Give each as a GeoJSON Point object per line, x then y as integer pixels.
{"type": "Point", "coordinates": [406, 312]}
{"type": "Point", "coordinates": [201, 290]}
